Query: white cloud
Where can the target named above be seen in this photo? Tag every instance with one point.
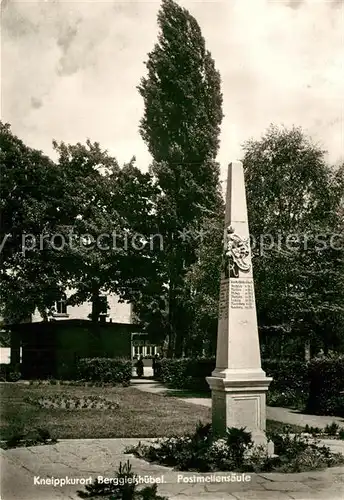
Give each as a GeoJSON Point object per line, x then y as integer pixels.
{"type": "Point", "coordinates": [70, 70]}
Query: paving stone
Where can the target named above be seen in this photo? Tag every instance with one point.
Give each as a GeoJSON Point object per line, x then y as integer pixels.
{"type": "Point", "coordinates": [232, 487]}
{"type": "Point", "coordinates": [257, 478]}
{"type": "Point", "coordinates": [316, 495]}
{"type": "Point", "coordinates": [17, 484]}
{"type": "Point", "coordinates": [181, 489]}
{"type": "Point", "coordinates": [261, 495]}
{"type": "Point", "coordinates": [318, 485]}
{"type": "Point", "coordinates": [338, 478]}
{"type": "Point", "coordinates": [216, 496]}
{"type": "Point", "coordinates": [323, 475]}
{"type": "Point", "coordinates": [286, 486]}
{"type": "Point", "coordinates": [292, 477]}
{"type": "Point", "coordinates": [63, 470]}
{"type": "Point", "coordinates": [206, 496]}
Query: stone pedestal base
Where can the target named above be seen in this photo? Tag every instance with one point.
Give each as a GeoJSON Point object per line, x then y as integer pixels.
{"type": "Point", "coordinates": [239, 401]}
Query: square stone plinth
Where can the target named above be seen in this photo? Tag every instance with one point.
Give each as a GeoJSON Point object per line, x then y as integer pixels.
{"type": "Point", "coordinates": [240, 403]}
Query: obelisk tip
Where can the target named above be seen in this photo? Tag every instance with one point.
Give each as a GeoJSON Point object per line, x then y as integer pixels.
{"type": "Point", "coordinates": [236, 163]}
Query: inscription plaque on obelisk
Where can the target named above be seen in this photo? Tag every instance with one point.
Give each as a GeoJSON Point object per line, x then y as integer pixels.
{"type": "Point", "coordinates": [238, 382]}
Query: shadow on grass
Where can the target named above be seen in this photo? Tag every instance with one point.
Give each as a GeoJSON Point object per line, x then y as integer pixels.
{"type": "Point", "coordinates": [274, 426]}
{"type": "Point", "coordinates": [183, 393]}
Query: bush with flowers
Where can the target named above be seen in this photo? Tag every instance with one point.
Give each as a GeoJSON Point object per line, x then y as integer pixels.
{"type": "Point", "coordinates": [236, 452]}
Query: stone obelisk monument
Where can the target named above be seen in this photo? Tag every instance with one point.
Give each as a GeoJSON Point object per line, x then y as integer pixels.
{"type": "Point", "coordinates": [238, 383]}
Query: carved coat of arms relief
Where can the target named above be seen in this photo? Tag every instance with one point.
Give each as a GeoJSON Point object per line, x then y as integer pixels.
{"type": "Point", "coordinates": [236, 255]}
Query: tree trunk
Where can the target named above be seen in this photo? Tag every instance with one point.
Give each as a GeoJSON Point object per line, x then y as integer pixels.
{"type": "Point", "coordinates": [171, 301]}
{"type": "Point", "coordinates": [15, 348]}
{"type": "Point", "coordinates": [179, 344]}
{"type": "Point", "coordinates": [95, 305]}
{"type": "Point", "coordinates": [171, 332]}
{"type": "Point", "coordinates": [169, 353]}
{"type": "Point", "coordinates": [326, 348]}
{"type": "Point", "coordinates": [307, 350]}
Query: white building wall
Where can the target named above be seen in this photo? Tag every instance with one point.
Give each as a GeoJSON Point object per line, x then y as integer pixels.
{"type": "Point", "coordinates": [118, 312]}
{"type": "Point", "coordinates": [5, 355]}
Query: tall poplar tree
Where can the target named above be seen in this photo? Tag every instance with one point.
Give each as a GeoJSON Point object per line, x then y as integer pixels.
{"type": "Point", "coordinates": [181, 126]}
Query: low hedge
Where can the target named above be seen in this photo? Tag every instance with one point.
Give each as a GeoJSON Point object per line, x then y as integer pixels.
{"type": "Point", "coordinates": [290, 382]}
{"type": "Point", "coordinates": [105, 370]}
{"type": "Point", "coordinates": [10, 373]}
{"type": "Point", "coordinates": [286, 374]}
{"type": "Point", "coordinates": [186, 373]}
{"type": "Point", "coordinates": [326, 385]}
{"type": "Point", "coordinates": [313, 386]}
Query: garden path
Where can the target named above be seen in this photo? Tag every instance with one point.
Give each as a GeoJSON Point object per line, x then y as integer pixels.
{"type": "Point", "coordinates": [285, 415]}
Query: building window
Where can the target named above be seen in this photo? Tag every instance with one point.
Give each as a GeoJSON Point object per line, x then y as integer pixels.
{"type": "Point", "coordinates": [61, 305]}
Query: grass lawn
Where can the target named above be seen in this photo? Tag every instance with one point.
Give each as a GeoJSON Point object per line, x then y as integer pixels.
{"type": "Point", "coordinates": [140, 414]}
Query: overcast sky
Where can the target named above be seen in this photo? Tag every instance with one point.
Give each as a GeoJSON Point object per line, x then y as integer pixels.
{"type": "Point", "coordinates": [70, 70]}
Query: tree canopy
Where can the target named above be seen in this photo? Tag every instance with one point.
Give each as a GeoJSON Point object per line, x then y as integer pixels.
{"type": "Point", "coordinates": [294, 213]}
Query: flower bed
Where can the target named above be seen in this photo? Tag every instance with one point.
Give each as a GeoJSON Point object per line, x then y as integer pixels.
{"type": "Point", "coordinates": [203, 452]}
{"type": "Point", "coordinates": [73, 402]}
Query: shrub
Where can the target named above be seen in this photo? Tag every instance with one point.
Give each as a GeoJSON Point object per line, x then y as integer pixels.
{"type": "Point", "coordinates": [3, 372]}
{"type": "Point", "coordinates": [315, 431]}
{"type": "Point", "coordinates": [186, 373]}
{"type": "Point", "coordinates": [190, 452]}
{"type": "Point", "coordinates": [326, 385]}
{"type": "Point", "coordinates": [258, 460]}
{"type": "Point", "coordinates": [44, 434]}
{"type": "Point", "coordinates": [239, 441]}
{"type": "Point", "coordinates": [290, 382]}
{"type": "Point", "coordinates": [105, 370]}
{"type": "Point", "coordinates": [332, 429]}
{"type": "Point", "coordinates": [10, 373]}
{"type": "Point", "coordinates": [14, 376]}
{"type": "Point", "coordinates": [125, 487]}
{"type": "Point", "coordinates": [205, 452]}
{"type": "Point", "coordinates": [33, 437]}
{"type": "Point", "coordinates": [299, 453]}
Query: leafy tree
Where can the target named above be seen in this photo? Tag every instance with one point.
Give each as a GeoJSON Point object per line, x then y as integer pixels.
{"type": "Point", "coordinates": [181, 125]}
{"type": "Point", "coordinates": [86, 170]}
{"type": "Point", "coordinates": [292, 200]}
{"type": "Point", "coordinates": [108, 218]}
{"type": "Point", "coordinates": [77, 220]}
{"type": "Point", "coordinates": [30, 275]}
